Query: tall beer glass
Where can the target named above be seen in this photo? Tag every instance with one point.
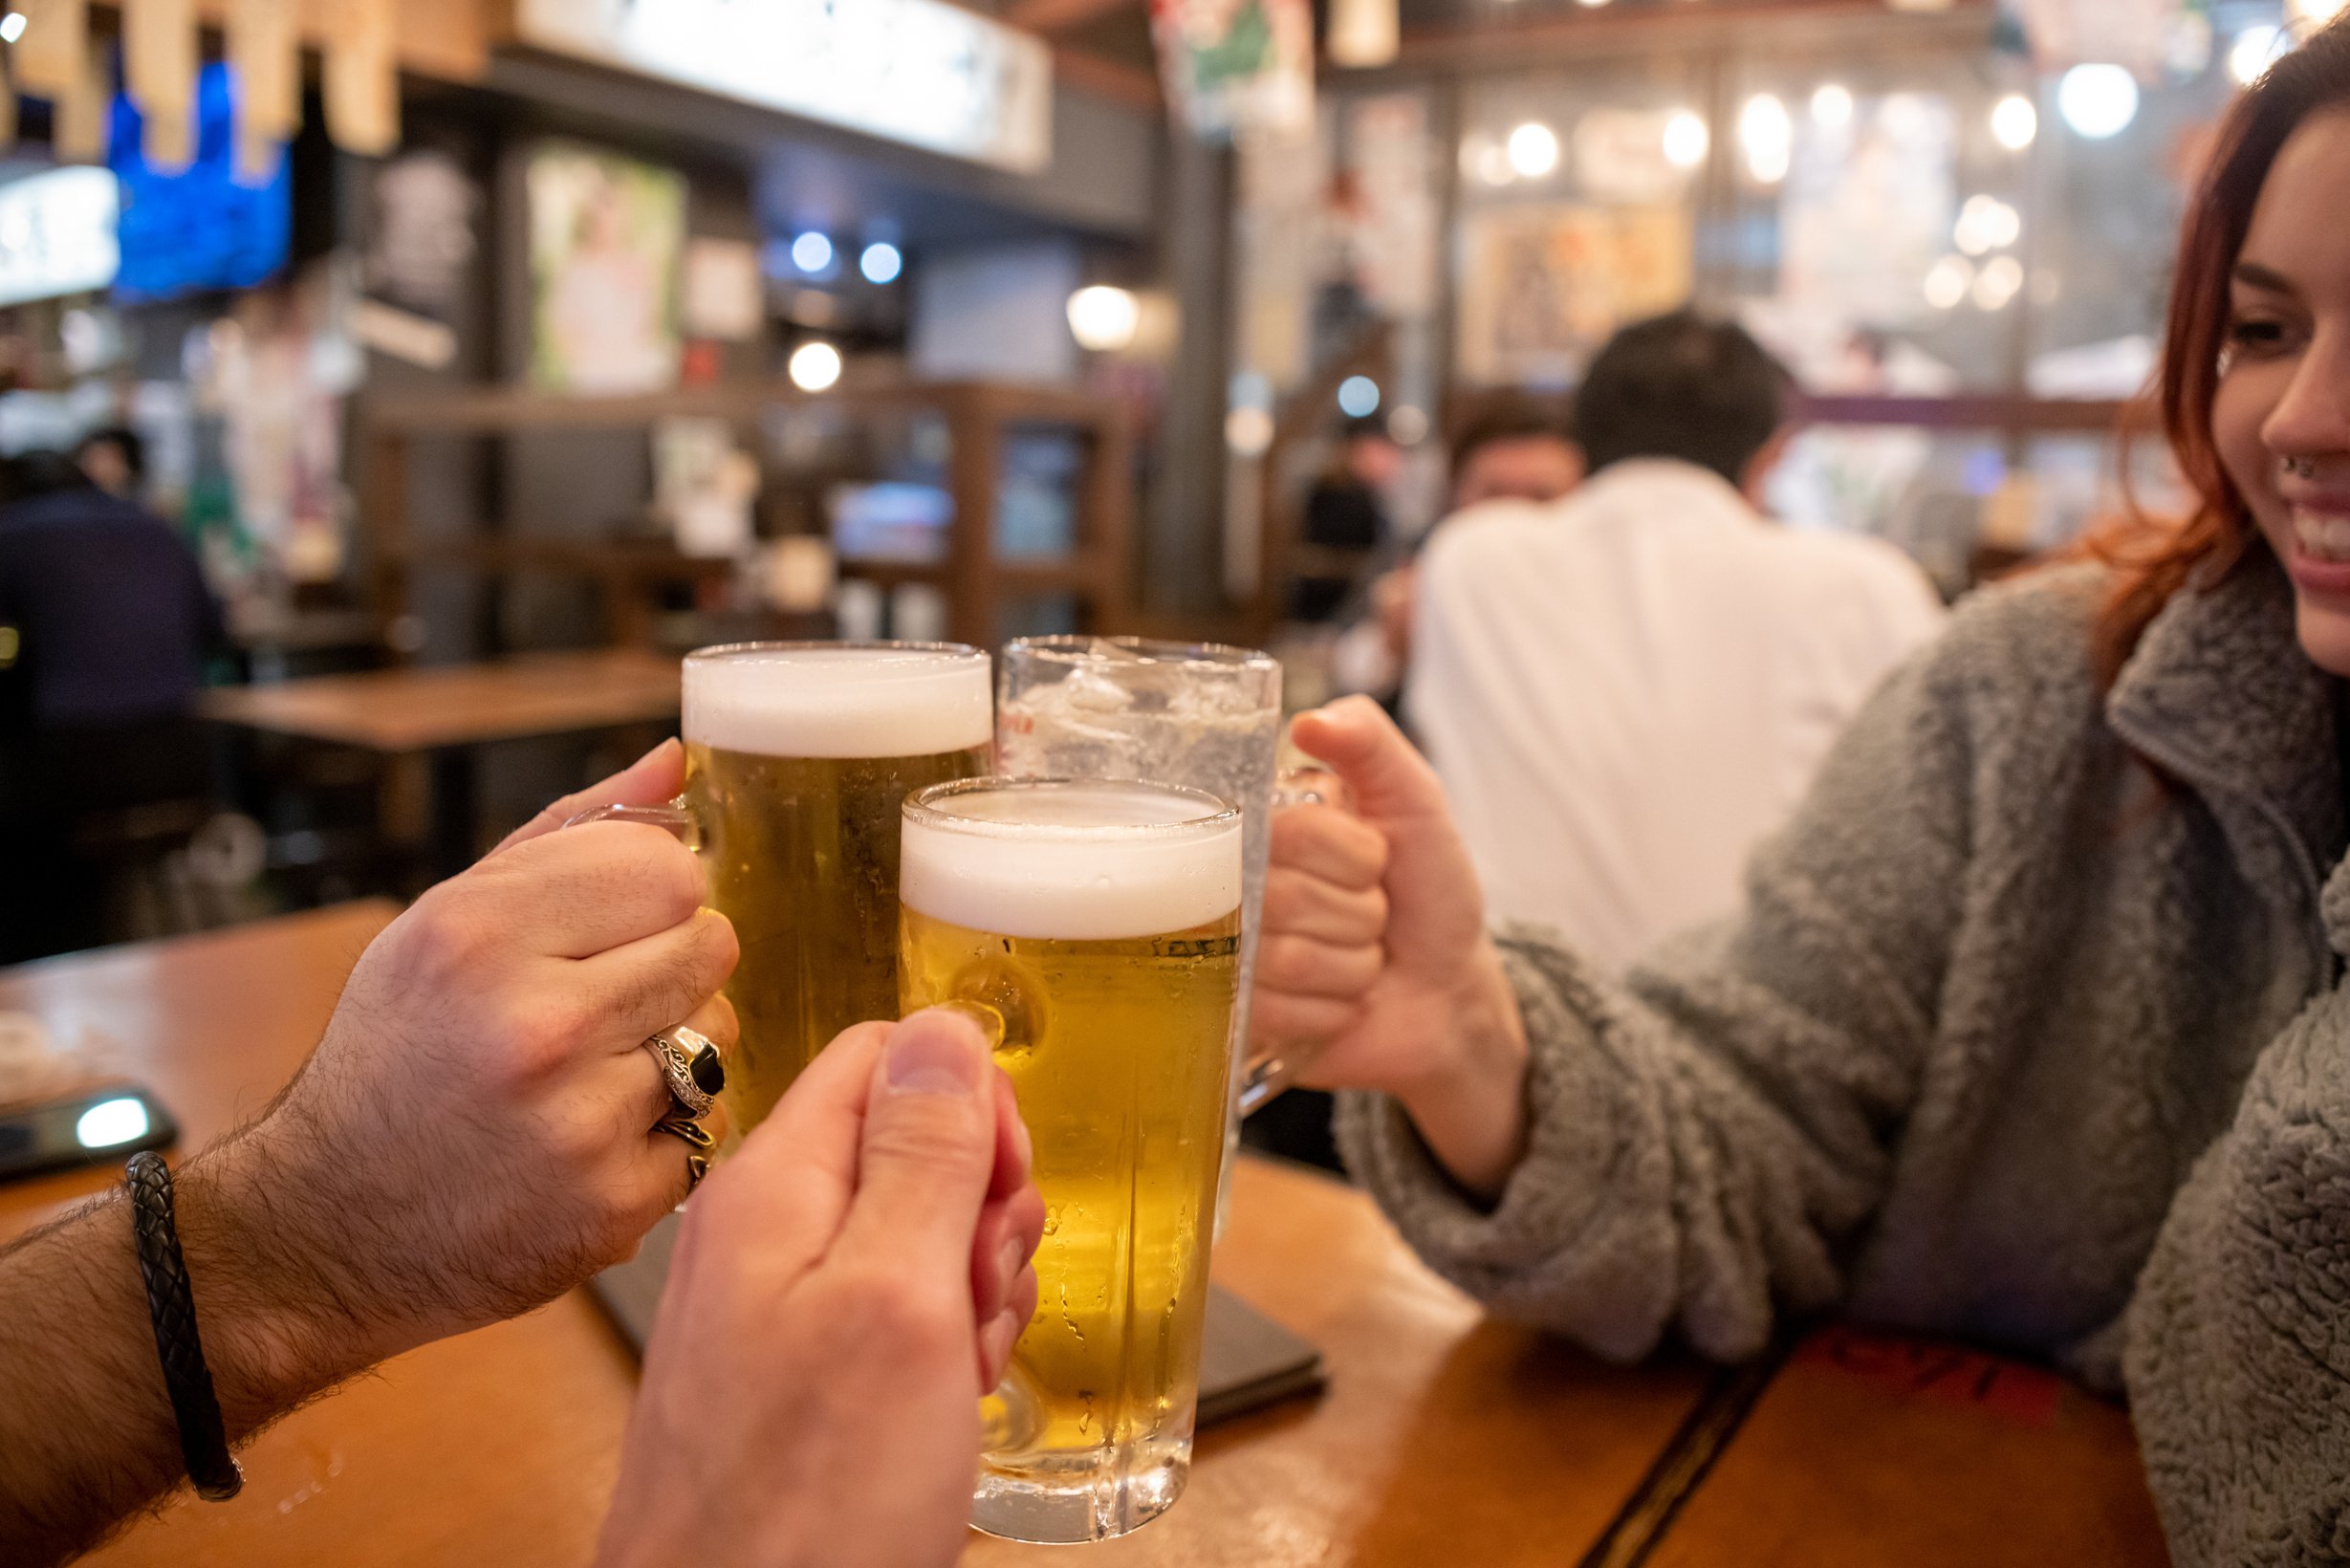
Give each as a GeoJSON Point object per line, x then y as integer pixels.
{"type": "Point", "coordinates": [798, 756]}
{"type": "Point", "coordinates": [1100, 923]}
{"type": "Point", "coordinates": [1199, 714]}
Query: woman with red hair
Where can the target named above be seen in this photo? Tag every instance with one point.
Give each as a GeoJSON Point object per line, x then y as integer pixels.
{"type": "Point", "coordinates": [2033, 1028]}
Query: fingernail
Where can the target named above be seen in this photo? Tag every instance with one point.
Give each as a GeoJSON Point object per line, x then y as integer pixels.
{"type": "Point", "coordinates": [931, 1058]}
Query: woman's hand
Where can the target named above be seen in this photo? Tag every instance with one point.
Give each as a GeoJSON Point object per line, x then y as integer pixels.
{"type": "Point", "coordinates": [844, 1289]}
{"type": "Point", "coordinates": [1375, 968]}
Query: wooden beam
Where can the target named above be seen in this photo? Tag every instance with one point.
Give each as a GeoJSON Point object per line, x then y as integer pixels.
{"type": "Point", "coordinates": [1060, 15]}
{"type": "Point", "coordinates": [1107, 78]}
{"type": "Point", "coordinates": [448, 40]}
{"type": "Point", "coordinates": [1538, 39]}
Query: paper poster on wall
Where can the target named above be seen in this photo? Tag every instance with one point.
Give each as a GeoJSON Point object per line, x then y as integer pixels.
{"type": "Point", "coordinates": [724, 295]}
{"type": "Point", "coordinates": [1233, 66]}
{"type": "Point", "coordinates": [1543, 287]}
{"type": "Point", "coordinates": [606, 234]}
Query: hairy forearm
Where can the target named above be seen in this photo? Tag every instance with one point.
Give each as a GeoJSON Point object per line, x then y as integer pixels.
{"type": "Point", "coordinates": [1470, 1109]}
{"type": "Point", "coordinates": [86, 1432]}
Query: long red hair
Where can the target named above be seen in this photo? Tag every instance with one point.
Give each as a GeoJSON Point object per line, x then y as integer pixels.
{"type": "Point", "coordinates": [2153, 558]}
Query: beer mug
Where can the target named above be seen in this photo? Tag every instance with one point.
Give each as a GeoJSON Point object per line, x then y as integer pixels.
{"type": "Point", "coordinates": [1094, 927]}
{"type": "Point", "coordinates": [798, 757]}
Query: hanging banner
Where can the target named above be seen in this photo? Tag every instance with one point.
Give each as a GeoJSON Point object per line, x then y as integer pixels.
{"type": "Point", "coordinates": [925, 73]}
{"type": "Point", "coordinates": [49, 57]}
{"type": "Point", "coordinates": [159, 74]}
{"type": "Point", "coordinates": [1362, 33]}
{"type": "Point", "coordinates": [158, 54]}
{"type": "Point", "coordinates": [362, 77]}
{"type": "Point", "coordinates": [264, 56]}
{"type": "Point", "coordinates": [1234, 66]}
{"type": "Point", "coordinates": [78, 127]}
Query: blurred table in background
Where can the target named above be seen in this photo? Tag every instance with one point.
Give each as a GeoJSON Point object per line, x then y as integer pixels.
{"type": "Point", "coordinates": [445, 713]}
{"type": "Point", "coordinates": [1442, 1437]}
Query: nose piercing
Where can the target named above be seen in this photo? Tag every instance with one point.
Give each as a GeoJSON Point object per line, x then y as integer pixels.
{"type": "Point", "coordinates": [2301, 468]}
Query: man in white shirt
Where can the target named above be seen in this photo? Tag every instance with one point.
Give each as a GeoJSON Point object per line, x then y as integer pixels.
{"type": "Point", "coordinates": [1625, 690]}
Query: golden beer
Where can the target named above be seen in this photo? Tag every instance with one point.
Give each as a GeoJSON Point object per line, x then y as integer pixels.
{"type": "Point", "coordinates": [1102, 922]}
{"type": "Point", "coordinates": [798, 759]}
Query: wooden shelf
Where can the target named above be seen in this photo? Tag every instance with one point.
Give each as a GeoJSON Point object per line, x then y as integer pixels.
{"type": "Point", "coordinates": [978, 416]}
{"type": "Point", "coordinates": [2004, 415]}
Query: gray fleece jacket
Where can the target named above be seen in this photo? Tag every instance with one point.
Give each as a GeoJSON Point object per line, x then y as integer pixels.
{"type": "Point", "coordinates": [2013, 1039]}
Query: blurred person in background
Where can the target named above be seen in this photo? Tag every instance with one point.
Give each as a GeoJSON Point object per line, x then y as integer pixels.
{"type": "Point", "coordinates": [105, 628]}
{"type": "Point", "coordinates": [1516, 447]}
{"type": "Point", "coordinates": [1624, 690]}
{"type": "Point", "coordinates": [1347, 521]}
{"type": "Point", "coordinates": [115, 459]}
{"type": "Point", "coordinates": [478, 1131]}
{"type": "Point", "coordinates": [2033, 1028]}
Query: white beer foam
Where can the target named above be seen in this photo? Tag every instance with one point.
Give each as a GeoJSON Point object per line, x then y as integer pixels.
{"type": "Point", "coordinates": [1071, 863]}
{"type": "Point", "coordinates": [838, 702]}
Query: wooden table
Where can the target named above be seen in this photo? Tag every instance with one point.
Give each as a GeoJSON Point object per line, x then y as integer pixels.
{"type": "Point", "coordinates": [448, 712]}
{"type": "Point", "coordinates": [1442, 1437]}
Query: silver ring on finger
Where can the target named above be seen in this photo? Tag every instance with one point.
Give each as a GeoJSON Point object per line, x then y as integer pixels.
{"type": "Point", "coordinates": [686, 1130]}
{"type": "Point", "coordinates": [691, 1067]}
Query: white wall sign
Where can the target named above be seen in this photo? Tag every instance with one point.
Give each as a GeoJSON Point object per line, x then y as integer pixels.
{"type": "Point", "coordinates": [57, 234]}
{"type": "Point", "coordinates": [922, 71]}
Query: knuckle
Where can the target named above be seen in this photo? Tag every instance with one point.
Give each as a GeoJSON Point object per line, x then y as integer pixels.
{"type": "Point", "coordinates": [675, 873]}
{"type": "Point", "coordinates": [440, 942]}
{"type": "Point", "coordinates": [538, 1036]}
{"type": "Point", "coordinates": [896, 1309]}
{"type": "Point", "coordinates": [717, 947]}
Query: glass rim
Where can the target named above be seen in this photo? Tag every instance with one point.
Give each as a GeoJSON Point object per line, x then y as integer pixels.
{"type": "Point", "coordinates": [1072, 647]}
{"type": "Point", "coordinates": [922, 808]}
{"type": "Point", "coordinates": [720, 652]}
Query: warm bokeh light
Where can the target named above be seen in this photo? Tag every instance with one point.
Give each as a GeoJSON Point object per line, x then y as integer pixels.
{"type": "Point", "coordinates": [1685, 139]}
{"type": "Point", "coordinates": [1947, 281]}
{"type": "Point", "coordinates": [1533, 150]}
{"type": "Point", "coordinates": [2314, 13]}
{"type": "Point", "coordinates": [1249, 432]}
{"type": "Point", "coordinates": [1768, 135]}
{"type": "Point", "coordinates": [1987, 223]}
{"type": "Point", "coordinates": [2014, 123]}
{"type": "Point", "coordinates": [2000, 280]}
{"type": "Point", "coordinates": [815, 367]}
{"type": "Point", "coordinates": [1104, 319]}
{"type": "Point", "coordinates": [1832, 106]}
{"type": "Point", "coordinates": [11, 27]}
{"type": "Point", "coordinates": [2255, 49]}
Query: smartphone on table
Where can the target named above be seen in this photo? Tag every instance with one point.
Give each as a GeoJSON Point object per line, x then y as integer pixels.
{"type": "Point", "coordinates": [87, 1127]}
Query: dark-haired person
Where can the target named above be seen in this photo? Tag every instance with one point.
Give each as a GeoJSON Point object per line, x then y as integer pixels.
{"type": "Point", "coordinates": [481, 1127]}
{"type": "Point", "coordinates": [105, 623]}
{"type": "Point", "coordinates": [1626, 690]}
{"type": "Point", "coordinates": [115, 458]}
{"type": "Point", "coordinates": [2034, 1029]}
{"type": "Point", "coordinates": [1515, 448]}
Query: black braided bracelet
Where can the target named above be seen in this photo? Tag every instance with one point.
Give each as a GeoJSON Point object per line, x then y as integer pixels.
{"type": "Point", "coordinates": [204, 1437]}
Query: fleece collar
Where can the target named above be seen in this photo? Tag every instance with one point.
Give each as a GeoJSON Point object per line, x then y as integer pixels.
{"type": "Point", "coordinates": [2221, 696]}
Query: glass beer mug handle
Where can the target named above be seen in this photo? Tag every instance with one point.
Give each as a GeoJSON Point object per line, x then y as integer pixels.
{"type": "Point", "coordinates": [674, 818]}
{"type": "Point", "coordinates": [1266, 1075]}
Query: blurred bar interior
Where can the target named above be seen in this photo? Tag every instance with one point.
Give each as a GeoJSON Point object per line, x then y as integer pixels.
{"type": "Point", "coordinates": [454, 331]}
